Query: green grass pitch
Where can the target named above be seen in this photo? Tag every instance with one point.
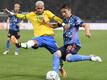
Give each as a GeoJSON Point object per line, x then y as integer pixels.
{"type": "Point", "coordinates": [34, 64]}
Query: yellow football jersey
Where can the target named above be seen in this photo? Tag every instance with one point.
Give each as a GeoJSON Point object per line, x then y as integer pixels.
{"type": "Point", "coordinates": [40, 28]}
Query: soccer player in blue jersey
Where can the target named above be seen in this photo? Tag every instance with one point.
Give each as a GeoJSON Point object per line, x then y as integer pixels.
{"type": "Point", "coordinates": [69, 52]}
{"type": "Point", "coordinates": [13, 28]}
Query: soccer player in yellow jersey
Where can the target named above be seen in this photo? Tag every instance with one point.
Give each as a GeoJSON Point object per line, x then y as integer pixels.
{"type": "Point", "coordinates": [43, 30]}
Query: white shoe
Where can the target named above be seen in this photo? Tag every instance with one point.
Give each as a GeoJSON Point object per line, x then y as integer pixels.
{"type": "Point", "coordinates": [6, 52]}
{"type": "Point", "coordinates": [58, 78]}
{"type": "Point", "coordinates": [16, 53]}
{"type": "Point", "coordinates": [96, 58]}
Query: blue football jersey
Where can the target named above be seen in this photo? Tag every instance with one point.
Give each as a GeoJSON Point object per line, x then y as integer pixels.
{"type": "Point", "coordinates": [14, 21]}
{"type": "Point", "coordinates": [70, 35]}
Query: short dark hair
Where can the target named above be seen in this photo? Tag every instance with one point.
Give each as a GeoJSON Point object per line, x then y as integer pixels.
{"type": "Point", "coordinates": [65, 6]}
{"type": "Point", "coordinates": [17, 3]}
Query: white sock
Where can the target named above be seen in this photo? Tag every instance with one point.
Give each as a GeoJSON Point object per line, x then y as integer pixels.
{"type": "Point", "coordinates": [28, 44]}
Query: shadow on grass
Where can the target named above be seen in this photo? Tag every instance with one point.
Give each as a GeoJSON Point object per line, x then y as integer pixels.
{"type": "Point", "coordinates": [71, 78]}
{"type": "Point", "coordinates": [22, 77]}
{"type": "Point", "coordinates": [31, 77]}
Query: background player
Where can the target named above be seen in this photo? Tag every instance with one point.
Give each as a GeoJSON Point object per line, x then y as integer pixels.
{"type": "Point", "coordinates": [13, 28]}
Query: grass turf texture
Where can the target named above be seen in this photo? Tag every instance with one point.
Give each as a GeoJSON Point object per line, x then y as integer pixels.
{"type": "Point", "coordinates": [34, 64]}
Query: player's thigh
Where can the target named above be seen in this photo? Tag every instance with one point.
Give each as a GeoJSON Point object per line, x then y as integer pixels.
{"type": "Point", "coordinates": [63, 52]}
{"type": "Point", "coordinates": [38, 42]}
{"type": "Point", "coordinates": [10, 33]}
{"type": "Point", "coordinates": [75, 50]}
{"type": "Point", "coordinates": [51, 44]}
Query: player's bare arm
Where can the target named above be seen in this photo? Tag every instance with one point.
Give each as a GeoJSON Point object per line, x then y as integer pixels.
{"type": "Point", "coordinates": [87, 29]}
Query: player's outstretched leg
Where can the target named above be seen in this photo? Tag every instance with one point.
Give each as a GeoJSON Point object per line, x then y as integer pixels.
{"type": "Point", "coordinates": [25, 45]}
{"type": "Point", "coordinates": [78, 57]}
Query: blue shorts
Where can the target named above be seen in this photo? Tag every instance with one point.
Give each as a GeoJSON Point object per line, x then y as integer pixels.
{"type": "Point", "coordinates": [48, 42]}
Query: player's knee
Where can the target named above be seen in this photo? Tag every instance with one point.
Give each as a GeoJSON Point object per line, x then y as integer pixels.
{"type": "Point", "coordinates": [35, 43]}
{"type": "Point", "coordinates": [68, 57]}
{"type": "Point", "coordinates": [58, 53]}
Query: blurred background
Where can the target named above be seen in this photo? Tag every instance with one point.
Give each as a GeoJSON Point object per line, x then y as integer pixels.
{"type": "Point", "coordinates": [89, 10]}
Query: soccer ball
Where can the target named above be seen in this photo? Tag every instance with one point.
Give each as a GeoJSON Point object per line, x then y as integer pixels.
{"type": "Point", "coordinates": [52, 75]}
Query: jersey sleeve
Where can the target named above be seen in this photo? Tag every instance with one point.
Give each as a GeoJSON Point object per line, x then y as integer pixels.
{"type": "Point", "coordinates": [54, 17]}
{"type": "Point", "coordinates": [27, 16]}
{"type": "Point", "coordinates": [50, 14]}
{"type": "Point", "coordinates": [21, 16]}
{"type": "Point", "coordinates": [79, 21]}
{"type": "Point", "coordinates": [59, 20]}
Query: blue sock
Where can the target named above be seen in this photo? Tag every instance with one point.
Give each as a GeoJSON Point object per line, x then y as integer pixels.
{"type": "Point", "coordinates": [17, 49]}
{"type": "Point", "coordinates": [56, 62]}
{"type": "Point", "coordinates": [7, 44]}
{"type": "Point", "coordinates": [77, 57]}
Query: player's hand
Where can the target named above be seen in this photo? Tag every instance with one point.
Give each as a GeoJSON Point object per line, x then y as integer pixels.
{"type": "Point", "coordinates": [87, 29]}
{"type": "Point", "coordinates": [45, 22]}
{"type": "Point", "coordinates": [43, 19]}
{"type": "Point", "coordinates": [69, 48]}
{"type": "Point", "coordinates": [5, 10]}
{"type": "Point", "coordinates": [66, 26]}
{"type": "Point", "coordinates": [8, 12]}
{"type": "Point", "coordinates": [88, 34]}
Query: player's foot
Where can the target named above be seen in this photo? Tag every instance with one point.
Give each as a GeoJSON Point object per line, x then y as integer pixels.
{"type": "Point", "coordinates": [58, 78]}
{"type": "Point", "coordinates": [63, 73]}
{"type": "Point", "coordinates": [16, 53]}
{"type": "Point", "coordinates": [96, 58]}
{"type": "Point", "coordinates": [5, 52]}
{"type": "Point", "coordinates": [14, 40]}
